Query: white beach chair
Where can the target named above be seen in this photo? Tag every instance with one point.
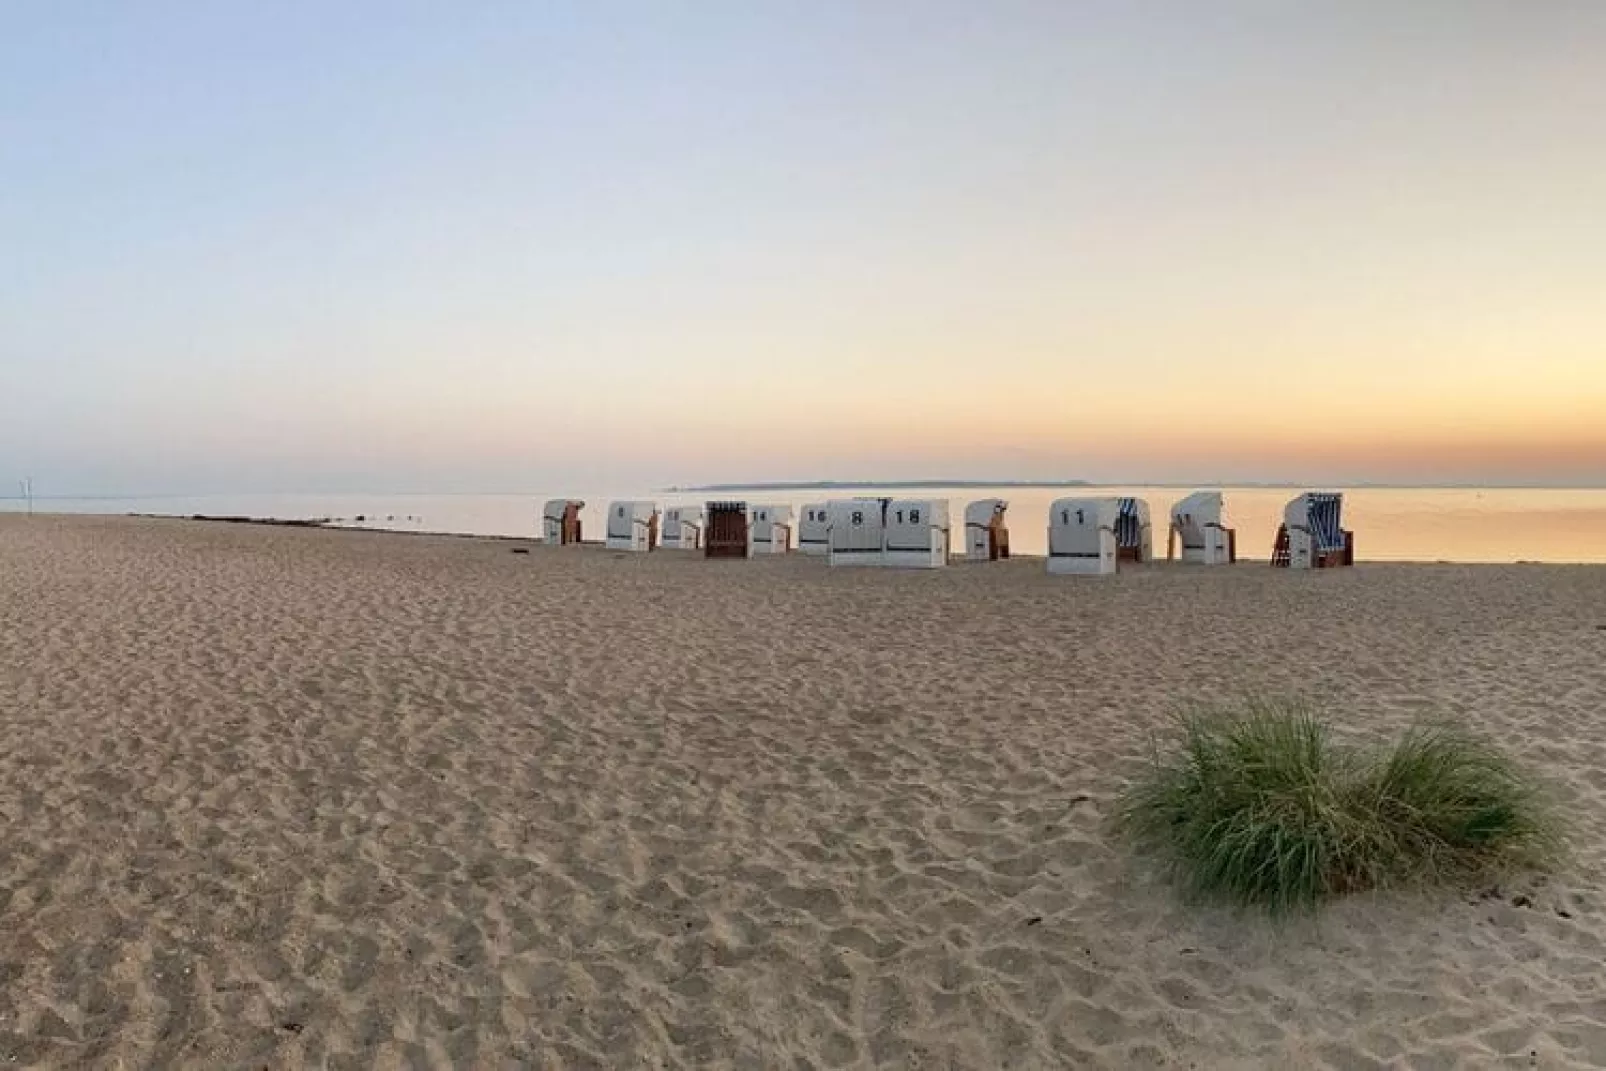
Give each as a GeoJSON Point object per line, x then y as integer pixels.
{"type": "Point", "coordinates": [986, 537]}
{"type": "Point", "coordinates": [814, 529]}
{"type": "Point", "coordinates": [1197, 524]}
{"type": "Point", "coordinates": [857, 531]}
{"type": "Point", "coordinates": [917, 533]}
{"type": "Point", "coordinates": [560, 521]}
{"type": "Point", "coordinates": [771, 530]}
{"type": "Point", "coordinates": [632, 526]}
{"type": "Point", "coordinates": [1081, 535]}
{"type": "Point", "coordinates": [682, 528]}
{"type": "Point", "coordinates": [1312, 535]}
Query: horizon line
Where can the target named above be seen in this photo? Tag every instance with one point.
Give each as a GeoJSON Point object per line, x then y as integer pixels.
{"type": "Point", "coordinates": [808, 485]}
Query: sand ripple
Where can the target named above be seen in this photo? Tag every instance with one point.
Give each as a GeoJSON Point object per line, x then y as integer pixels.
{"type": "Point", "coordinates": [311, 799]}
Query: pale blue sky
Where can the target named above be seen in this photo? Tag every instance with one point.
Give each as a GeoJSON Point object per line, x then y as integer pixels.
{"type": "Point", "coordinates": [314, 246]}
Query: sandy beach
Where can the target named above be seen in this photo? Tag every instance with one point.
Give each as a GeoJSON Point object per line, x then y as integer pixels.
{"type": "Point", "coordinates": [298, 798]}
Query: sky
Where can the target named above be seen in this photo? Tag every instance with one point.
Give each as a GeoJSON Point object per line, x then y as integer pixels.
{"type": "Point", "coordinates": [418, 246]}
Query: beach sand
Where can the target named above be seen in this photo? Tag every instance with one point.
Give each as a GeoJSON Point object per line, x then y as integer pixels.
{"type": "Point", "coordinates": [300, 798]}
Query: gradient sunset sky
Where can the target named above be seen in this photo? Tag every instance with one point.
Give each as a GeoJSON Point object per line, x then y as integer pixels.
{"type": "Point", "coordinates": [506, 246]}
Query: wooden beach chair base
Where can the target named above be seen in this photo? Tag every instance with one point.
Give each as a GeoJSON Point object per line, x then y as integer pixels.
{"type": "Point", "coordinates": [1279, 549]}
{"type": "Point", "coordinates": [1334, 559]}
{"type": "Point", "coordinates": [725, 531]}
{"type": "Point", "coordinates": [1232, 544]}
{"type": "Point", "coordinates": [1327, 559]}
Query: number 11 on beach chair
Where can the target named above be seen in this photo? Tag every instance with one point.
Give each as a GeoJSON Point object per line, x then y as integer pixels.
{"type": "Point", "coordinates": [1081, 536]}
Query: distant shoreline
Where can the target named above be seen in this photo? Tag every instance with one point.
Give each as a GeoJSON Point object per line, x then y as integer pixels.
{"type": "Point", "coordinates": [865, 485]}
{"type": "Point", "coordinates": [1226, 485]}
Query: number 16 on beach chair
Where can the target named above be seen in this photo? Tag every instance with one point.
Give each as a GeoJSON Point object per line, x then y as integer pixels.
{"type": "Point", "coordinates": [814, 530]}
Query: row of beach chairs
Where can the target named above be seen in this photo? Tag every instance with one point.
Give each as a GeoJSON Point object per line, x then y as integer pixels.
{"type": "Point", "coordinates": [1085, 535]}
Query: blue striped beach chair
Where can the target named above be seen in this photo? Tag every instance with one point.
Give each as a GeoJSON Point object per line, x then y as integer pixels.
{"type": "Point", "coordinates": [1133, 538]}
{"type": "Point", "coordinates": [1313, 535]}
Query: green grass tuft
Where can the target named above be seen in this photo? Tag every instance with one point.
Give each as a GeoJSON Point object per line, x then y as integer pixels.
{"type": "Point", "coordinates": [1259, 806]}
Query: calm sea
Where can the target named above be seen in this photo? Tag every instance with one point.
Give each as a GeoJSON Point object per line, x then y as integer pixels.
{"type": "Point", "coordinates": [1394, 524]}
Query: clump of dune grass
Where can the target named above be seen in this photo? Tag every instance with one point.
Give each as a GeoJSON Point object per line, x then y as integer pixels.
{"type": "Point", "coordinates": [1258, 805]}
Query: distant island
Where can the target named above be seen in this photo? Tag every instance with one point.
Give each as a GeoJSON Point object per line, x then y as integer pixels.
{"type": "Point", "coordinates": [866, 485]}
